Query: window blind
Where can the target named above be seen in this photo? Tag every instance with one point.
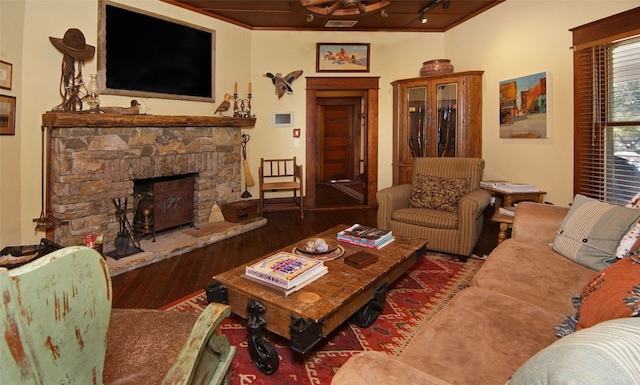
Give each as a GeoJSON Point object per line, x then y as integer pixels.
{"type": "Point", "coordinates": [607, 119]}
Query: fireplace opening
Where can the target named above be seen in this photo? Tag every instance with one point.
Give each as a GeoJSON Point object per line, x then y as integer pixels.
{"type": "Point", "coordinates": [163, 203]}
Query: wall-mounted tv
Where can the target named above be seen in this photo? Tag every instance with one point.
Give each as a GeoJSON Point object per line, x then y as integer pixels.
{"type": "Point", "coordinates": [145, 55]}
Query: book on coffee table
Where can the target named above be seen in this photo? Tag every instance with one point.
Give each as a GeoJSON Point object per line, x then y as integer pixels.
{"type": "Point", "coordinates": [284, 269]}
{"type": "Point", "coordinates": [281, 289]}
{"type": "Point", "coordinates": [365, 235]}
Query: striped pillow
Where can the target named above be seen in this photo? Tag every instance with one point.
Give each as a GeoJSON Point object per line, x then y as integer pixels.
{"type": "Point", "coordinates": [591, 231]}
{"type": "Point", "coordinates": [607, 353]}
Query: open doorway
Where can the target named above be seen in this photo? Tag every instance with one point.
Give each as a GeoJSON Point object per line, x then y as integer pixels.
{"type": "Point", "coordinates": [342, 142]}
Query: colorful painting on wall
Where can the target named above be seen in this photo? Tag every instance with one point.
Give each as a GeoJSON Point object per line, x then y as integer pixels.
{"type": "Point", "coordinates": [340, 57]}
{"type": "Point", "coordinates": [523, 107]}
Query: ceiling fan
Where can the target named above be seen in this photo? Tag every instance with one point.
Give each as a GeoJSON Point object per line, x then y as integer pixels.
{"type": "Point", "coordinates": [343, 7]}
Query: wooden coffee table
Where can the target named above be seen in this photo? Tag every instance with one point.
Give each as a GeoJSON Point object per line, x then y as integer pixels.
{"type": "Point", "coordinates": [307, 316]}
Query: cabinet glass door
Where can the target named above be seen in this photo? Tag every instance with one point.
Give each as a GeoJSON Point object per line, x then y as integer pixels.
{"type": "Point", "coordinates": [446, 118]}
{"type": "Point", "coordinates": [417, 121]}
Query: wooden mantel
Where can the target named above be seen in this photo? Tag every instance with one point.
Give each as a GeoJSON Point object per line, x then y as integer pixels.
{"type": "Point", "coordinates": [69, 119]}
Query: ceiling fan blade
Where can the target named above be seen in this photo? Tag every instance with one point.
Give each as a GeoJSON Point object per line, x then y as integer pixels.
{"type": "Point", "coordinates": [308, 3]}
{"type": "Point", "coordinates": [333, 7]}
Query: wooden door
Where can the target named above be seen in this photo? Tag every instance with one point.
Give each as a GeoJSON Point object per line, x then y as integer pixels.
{"type": "Point", "coordinates": [339, 146]}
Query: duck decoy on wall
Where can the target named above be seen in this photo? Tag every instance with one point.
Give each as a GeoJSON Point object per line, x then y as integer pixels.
{"type": "Point", "coordinates": [283, 83]}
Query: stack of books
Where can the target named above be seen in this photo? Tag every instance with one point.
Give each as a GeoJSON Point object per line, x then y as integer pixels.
{"type": "Point", "coordinates": [285, 272]}
{"type": "Point", "coordinates": [509, 187]}
{"type": "Point", "coordinates": [508, 211]}
{"type": "Point", "coordinates": [366, 236]}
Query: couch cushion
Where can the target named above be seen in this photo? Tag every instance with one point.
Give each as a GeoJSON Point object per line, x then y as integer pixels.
{"type": "Point", "coordinates": [607, 353]}
{"type": "Point", "coordinates": [426, 218]}
{"type": "Point", "coordinates": [533, 273]}
{"type": "Point", "coordinates": [135, 356]}
{"type": "Point", "coordinates": [480, 337]}
{"type": "Point", "coordinates": [432, 192]}
{"type": "Point", "coordinates": [371, 367]}
{"type": "Point", "coordinates": [592, 230]}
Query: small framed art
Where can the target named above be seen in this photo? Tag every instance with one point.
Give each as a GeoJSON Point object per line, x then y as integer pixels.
{"type": "Point", "coordinates": [342, 57]}
{"type": "Point", "coordinates": [7, 115]}
{"type": "Point", "coordinates": [6, 72]}
{"type": "Point", "coordinates": [523, 107]}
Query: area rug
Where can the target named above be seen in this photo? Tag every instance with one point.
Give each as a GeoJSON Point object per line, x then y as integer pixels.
{"type": "Point", "coordinates": [410, 303]}
{"type": "Point", "coordinates": [354, 190]}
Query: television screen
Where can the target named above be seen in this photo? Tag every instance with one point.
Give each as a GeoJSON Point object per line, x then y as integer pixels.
{"type": "Point", "coordinates": [145, 55]}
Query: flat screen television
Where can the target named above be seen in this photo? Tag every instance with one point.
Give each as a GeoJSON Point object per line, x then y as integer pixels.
{"type": "Point", "coordinates": [145, 55]}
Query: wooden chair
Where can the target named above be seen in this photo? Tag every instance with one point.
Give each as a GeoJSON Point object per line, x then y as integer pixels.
{"type": "Point", "coordinates": [59, 328]}
{"type": "Point", "coordinates": [281, 174]}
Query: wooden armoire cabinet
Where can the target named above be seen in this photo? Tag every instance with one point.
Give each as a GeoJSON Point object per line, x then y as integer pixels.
{"type": "Point", "coordinates": [439, 115]}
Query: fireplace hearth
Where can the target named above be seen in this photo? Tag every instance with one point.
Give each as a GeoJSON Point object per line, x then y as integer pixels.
{"type": "Point", "coordinates": [96, 157]}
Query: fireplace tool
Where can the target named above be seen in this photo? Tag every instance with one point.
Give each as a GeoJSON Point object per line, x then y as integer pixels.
{"type": "Point", "coordinates": [46, 221]}
{"type": "Point", "coordinates": [126, 231]}
{"type": "Point", "coordinates": [248, 179]}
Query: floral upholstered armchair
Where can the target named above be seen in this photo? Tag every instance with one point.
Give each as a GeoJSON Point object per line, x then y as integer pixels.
{"type": "Point", "coordinates": [444, 204]}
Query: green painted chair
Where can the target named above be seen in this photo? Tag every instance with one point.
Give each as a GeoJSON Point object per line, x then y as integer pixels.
{"type": "Point", "coordinates": [59, 328]}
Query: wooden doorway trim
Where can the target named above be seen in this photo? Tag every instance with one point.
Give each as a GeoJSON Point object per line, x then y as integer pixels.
{"type": "Point", "coordinates": [369, 86]}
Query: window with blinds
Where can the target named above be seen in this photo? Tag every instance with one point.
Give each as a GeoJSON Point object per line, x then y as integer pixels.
{"type": "Point", "coordinates": [607, 114]}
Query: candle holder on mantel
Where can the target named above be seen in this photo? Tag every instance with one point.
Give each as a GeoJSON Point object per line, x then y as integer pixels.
{"type": "Point", "coordinates": [241, 107]}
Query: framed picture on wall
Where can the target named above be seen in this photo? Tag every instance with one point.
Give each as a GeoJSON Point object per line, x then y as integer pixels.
{"type": "Point", "coordinates": [6, 72]}
{"type": "Point", "coordinates": [523, 107]}
{"type": "Point", "coordinates": [342, 57]}
{"type": "Point", "coordinates": [7, 115]}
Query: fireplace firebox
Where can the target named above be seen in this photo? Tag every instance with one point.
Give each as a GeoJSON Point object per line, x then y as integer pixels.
{"type": "Point", "coordinates": [164, 203]}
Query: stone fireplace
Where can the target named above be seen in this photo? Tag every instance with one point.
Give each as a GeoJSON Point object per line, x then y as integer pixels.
{"type": "Point", "coordinates": [95, 158]}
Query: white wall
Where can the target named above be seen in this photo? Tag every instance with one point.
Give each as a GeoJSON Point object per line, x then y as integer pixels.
{"type": "Point", "coordinates": [393, 56]}
{"type": "Point", "coordinates": [11, 38]}
{"type": "Point", "coordinates": [515, 38]}
{"type": "Point", "coordinates": [519, 38]}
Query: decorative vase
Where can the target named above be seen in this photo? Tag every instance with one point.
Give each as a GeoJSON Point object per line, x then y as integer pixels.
{"type": "Point", "coordinates": [436, 67]}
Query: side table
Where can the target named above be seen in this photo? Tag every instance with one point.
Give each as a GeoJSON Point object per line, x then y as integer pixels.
{"type": "Point", "coordinates": [506, 223]}
{"type": "Point", "coordinates": [507, 199]}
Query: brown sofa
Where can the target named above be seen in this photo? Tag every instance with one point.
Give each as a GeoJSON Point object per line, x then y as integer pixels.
{"type": "Point", "coordinates": [490, 329]}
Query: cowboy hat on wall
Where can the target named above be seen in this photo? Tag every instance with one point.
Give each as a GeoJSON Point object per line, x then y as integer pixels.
{"type": "Point", "coordinates": [75, 49]}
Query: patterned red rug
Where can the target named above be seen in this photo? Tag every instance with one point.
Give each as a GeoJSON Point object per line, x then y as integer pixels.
{"type": "Point", "coordinates": [410, 303]}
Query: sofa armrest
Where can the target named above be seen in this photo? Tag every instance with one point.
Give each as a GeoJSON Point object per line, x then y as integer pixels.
{"type": "Point", "coordinates": [390, 199]}
{"type": "Point", "coordinates": [537, 222]}
{"type": "Point", "coordinates": [379, 368]}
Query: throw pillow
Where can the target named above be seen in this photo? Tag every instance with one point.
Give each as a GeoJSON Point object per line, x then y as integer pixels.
{"type": "Point", "coordinates": [611, 293]}
{"type": "Point", "coordinates": [591, 231]}
{"type": "Point", "coordinates": [630, 242]}
{"type": "Point", "coordinates": [607, 353]}
{"type": "Point", "coordinates": [432, 192]}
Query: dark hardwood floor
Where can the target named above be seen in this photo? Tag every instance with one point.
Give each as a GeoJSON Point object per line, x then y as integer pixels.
{"type": "Point", "coordinates": [169, 280]}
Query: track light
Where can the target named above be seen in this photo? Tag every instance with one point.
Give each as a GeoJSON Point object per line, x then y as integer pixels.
{"type": "Point", "coordinates": [309, 18]}
{"type": "Point", "coordinates": [384, 13]}
{"type": "Point", "coordinates": [423, 18]}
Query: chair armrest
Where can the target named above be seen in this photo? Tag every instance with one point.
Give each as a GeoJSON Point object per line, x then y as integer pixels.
{"type": "Point", "coordinates": [371, 367]}
{"type": "Point", "coordinates": [474, 202]}
{"type": "Point", "coordinates": [390, 199]}
{"type": "Point", "coordinates": [537, 222]}
{"type": "Point", "coordinates": [203, 351]}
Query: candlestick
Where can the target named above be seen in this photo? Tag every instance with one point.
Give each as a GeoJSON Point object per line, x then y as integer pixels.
{"type": "Point", "coordinates": [249, 88]}
{"type": "Point", "coordinates": [235, 88]}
